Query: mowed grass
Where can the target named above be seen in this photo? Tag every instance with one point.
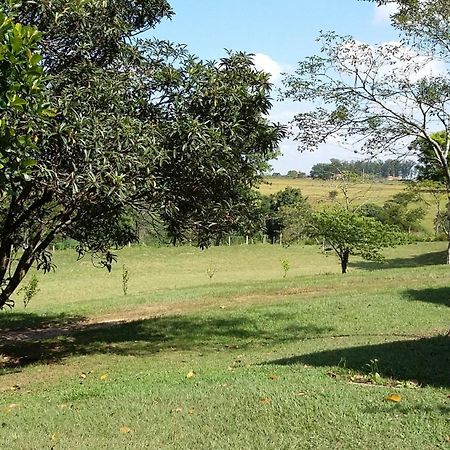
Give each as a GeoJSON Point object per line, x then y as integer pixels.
{"type": "Point", "coordinates": [244, 360]}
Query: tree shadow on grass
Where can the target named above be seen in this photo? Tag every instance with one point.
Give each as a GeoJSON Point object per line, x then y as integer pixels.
{"type": "Point", "coordinates": [147, 337]}
{"type": "Point", "coordinates": [14, 320]}
{"type": "Point", "coordinates": [426, 259]}
{"type": "Point", "coordinates": [426, 360]}
{"type": "Point", "coordinates": [438, 296]}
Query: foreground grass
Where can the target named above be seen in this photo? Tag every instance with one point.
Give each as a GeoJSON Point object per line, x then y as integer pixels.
{"type": "Point", "coordinates": [244, 360]}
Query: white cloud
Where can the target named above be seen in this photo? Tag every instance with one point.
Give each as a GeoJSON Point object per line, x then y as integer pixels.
{"type": "Point", "coordinates": [382, 15]}
{"type": "Point", "coordinates": [267, 64]}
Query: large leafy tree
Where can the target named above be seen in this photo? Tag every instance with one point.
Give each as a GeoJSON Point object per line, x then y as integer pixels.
{"type": "Point", "coordinates": [429, 168]}
{"type": "Point", "coordinates": [398, 211]}
{"type": "Point", "coordinates": [134, 127]}
{"type": "Point", "coordinates": [22, 115]}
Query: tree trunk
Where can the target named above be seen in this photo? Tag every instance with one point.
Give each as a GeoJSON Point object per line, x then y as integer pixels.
{"type": "Point", "coordinates": [448, 227]}
{"type": "Point", "coordinates": [344, 260]}
{"type": "Point", "coordinates": [448, 249]}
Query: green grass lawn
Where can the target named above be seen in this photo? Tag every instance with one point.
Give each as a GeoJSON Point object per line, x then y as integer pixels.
{"type": "Point", "coordinates": [246, 359]}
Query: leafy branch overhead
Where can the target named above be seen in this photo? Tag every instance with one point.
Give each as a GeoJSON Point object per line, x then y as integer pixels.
{"type": "Point", "coordinates": [375, 98]}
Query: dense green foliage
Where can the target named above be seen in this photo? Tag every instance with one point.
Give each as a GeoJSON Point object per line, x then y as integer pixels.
{"type": "Point", "coordinates": [279, 210]}
{"type": "Point", "coordinates": [429, 167]}
{"type": "Point", "coordinates": [350, 234]}
{"type": "Point", "coordinates": [398, 211]}
{"type": "Point", "coordinates": [137, 128]}
{"type": "Point", "coordinates": [21, 102]}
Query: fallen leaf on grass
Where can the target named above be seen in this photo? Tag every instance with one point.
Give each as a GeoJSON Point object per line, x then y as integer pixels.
{"type": "Point", "coordinates": [191, 374]}
{"type": "Point", "coordinates": [395, 398]}
{"type": "Point", "coordinates": [125, 430]}
{"type": "Point", "coordinates": [265, 400]}
{"type": "Point", "coordinates": [359, 378]}
{"type": "Point", "coordinates": [104, 377]}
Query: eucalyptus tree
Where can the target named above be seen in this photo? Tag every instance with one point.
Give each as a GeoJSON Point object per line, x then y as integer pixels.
{"type": "Point", "coordinates": [133, 127]}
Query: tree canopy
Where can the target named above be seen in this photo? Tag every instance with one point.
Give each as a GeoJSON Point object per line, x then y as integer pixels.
{"type": "Point", "coordinates": [425, 24]}
{"type": "Point", "coordinates": [373, 168]}
{"type": "Point", "coordinates": [350, 234]}
{"type": "Point", "coordinates": [132, 127]}
{"type": "Point", "coordinates": [277, 210]}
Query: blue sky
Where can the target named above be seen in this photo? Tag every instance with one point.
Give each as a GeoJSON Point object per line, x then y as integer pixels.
{"type": "Point", "coordinates": [280, 33]}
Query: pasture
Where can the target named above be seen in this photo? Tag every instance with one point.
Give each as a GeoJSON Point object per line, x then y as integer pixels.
{"type": "Point", "coordinates": [217, 350]}
{"type": "Point", "coordinates": [317, 191]}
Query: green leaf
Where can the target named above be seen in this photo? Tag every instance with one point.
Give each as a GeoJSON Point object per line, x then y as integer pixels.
{"type": "Point", "coordinates": [29, 163]}
{"type": "Point", "coordinates": [16, 101]}
{"type": "Point", "coordinates": [49, 112]}
{"type": "Point", "coordinates": [35, 59]}
{"type": "Point", "coordinates": [16, 43]}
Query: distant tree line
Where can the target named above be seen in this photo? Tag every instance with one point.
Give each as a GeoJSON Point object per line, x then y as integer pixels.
{"type": "Point", "coordinates": [375, 168]}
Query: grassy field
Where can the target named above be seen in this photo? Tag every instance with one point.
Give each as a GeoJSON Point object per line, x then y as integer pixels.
{"type": "Point", "coordinates": [245, 359]}
{"type": "Point", "coordinates": [317, 190]}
